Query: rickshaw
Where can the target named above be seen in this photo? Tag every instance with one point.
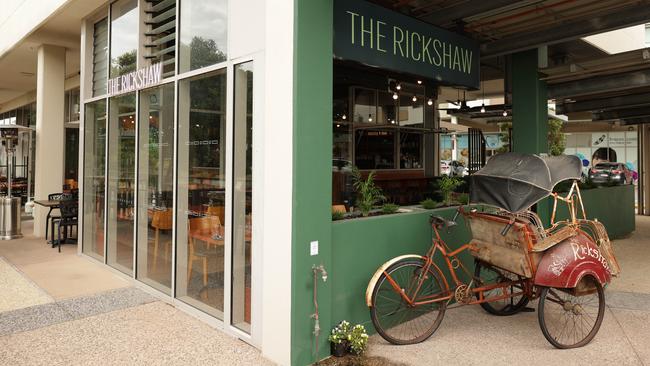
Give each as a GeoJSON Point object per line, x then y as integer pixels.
{"type": "Point", "coordinates": [566, 266]}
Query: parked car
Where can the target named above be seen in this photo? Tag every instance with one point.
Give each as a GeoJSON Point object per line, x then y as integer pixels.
{"type": "Point", "coordinates": [616, 173]}
{"type": "Point", "coordinates": [444, 167]}
{"type": "Point", "coordinates": [453, 168]}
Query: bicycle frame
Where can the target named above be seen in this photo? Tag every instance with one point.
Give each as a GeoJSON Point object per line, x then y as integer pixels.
{"type": "Point", "coordinates": [449, 257]}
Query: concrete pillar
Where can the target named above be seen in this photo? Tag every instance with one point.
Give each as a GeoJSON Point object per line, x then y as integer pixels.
{"type": "Point", "coordinates": [50, 129]}
{"type": "Point", "coordinates": [529, 105]}
{"type": "Point", "coordinates": [529, 112]}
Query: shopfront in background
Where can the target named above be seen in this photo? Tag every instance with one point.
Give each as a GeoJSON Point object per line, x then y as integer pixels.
{"type": "Point", "coordinates": [168, 155]}
{"type": "Point", "coordinates": [387, 72]}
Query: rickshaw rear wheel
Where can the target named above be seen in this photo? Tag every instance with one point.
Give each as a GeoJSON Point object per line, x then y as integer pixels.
{"type": "Point", "coordinates": [393, 319]}
{"type": "Point", "coordinates": [569, 321]}
{"type": "Point", "coordinates": [489, 275]}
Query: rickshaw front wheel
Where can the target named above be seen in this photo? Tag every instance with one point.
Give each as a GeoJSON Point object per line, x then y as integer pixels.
{"type": "Point", "coordinates": [570, 321]}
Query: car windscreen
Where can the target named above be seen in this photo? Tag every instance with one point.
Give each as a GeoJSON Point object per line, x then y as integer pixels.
{"type": "Point", "coordinates": [607, 166]}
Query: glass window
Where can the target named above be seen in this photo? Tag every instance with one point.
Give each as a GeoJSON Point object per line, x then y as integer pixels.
{"type": "Point", "coordinates": [155, 187]}
{"type": "Point", "coordinates": [160, 34]}
{"type": "Point", "coordinates": [71, 157]}
{"type": "Point", "coordinates": [204, 31]}
{"type": "Point", "coordinates": [124, 37]}
{"type": "Point", "coordinates": [365, 106]}
{"type": "Point", "coordinates": [121, 181]}
{"type": "Point", "coordinates": [71, 113]}
{"type": "Point", "coordinates": [386, 108]}
{"type": "Point", "coordinates": [411, 110]}
{"type": "Point", "coordinates": [375, 149]}
{"type": "Point", "coordinates": [410, 156]}
{"type": "Point", "coordinates": [100, 57]}
{"type": "Point", "coordinates": [242, 197]}
{"type": "Point", "coordinates": [94, 178]}
{"type": "Point", "coordinates": [201, 191]}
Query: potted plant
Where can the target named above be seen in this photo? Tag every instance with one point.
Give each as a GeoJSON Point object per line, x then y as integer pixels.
{"type": "Point", "coordinates": [339, 341]}
{"type": "Point", "coordinates": [358, 339]}
{"type": "Point", "coordinates": [369, 194]}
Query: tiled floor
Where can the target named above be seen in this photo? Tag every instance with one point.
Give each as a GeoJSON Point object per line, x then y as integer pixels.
{"type": "Point", "coordinates": [64, 309]}
{"type": "Point", "coordinates": [61, 275]}
{"type": "Point", "coordinates": [18, 291]}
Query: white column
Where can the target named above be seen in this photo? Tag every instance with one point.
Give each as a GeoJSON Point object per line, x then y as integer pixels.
{"type": "Point", "coordinates": [49, 128]}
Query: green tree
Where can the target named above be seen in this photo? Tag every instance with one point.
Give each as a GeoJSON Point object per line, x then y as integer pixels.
{"type": "Point", "coordinates": [205, 52]}
{"type": "Point", "coordinates": [556, 138]}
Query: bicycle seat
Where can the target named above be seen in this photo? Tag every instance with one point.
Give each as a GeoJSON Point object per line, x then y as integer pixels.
{"type": "Point", "coordinates": [440, 222]}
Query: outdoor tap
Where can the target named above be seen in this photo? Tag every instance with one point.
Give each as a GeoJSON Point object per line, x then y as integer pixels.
{"type": "Point", "coordinates": [316, 325]}
{"type": "Point", "coordinates": [322, 270]}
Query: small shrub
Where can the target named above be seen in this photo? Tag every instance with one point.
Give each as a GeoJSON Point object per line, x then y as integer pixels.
{"type": "Point", "coordinates": [389, 208]}
{"type": "Point", "coordinates": [429, 204]}
{"type": "Point", "coordinates": [337, 215]}
{"type": "Point", "coordinates": [447, 185]}
{"type": "Point", "coordinates": [463, 198]}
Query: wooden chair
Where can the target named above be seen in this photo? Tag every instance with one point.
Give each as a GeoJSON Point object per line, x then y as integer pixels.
{"type": "Point", "coordinates": [339, 208]}
{"type": "Point", "coordinates": [161, 220]}
{"type": "Point", "coordinates": [219, 211]}
{"type": "Point", "coordinates": [203, 229]}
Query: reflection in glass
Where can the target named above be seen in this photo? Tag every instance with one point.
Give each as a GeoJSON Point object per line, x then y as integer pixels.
{"type": "Point", "coordinates": [411, 113]}
{"type": "Point", "coordinates": [124, 37]}
{"type": "Point", "coordinates": [204, 30]}
{"type": "Point", "coordinates": [410, 150]}
{"type": "Point", "coordinates": [375, 149]}
{"type": "Point", "coordinates": [386, 108]}
{"type": "Point", "coordinates": [201, 191]}
{"type": "Point", "coordinates": [94, 178]}
{"type": "Point", "coordinates": [242, 197]}
{"type": "Point", "coordinates": [121, 182]}
{"type": "Point", "coordinates": [155, 187]}
{"type": "Point", "coordinates": [365, 106]}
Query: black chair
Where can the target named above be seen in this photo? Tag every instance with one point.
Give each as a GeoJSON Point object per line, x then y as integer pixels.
{"type": "Point", "coordinates": [52, 216]}
{"type": "Point", "coordinates": [68, 220]}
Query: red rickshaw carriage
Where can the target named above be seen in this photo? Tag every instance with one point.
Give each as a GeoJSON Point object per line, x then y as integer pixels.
{"type": "Point", "coordinates": [565, 266]}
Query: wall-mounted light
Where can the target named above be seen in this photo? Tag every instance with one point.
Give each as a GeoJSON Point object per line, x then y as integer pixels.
{"type": "Point", "coordinates": [430, 101]}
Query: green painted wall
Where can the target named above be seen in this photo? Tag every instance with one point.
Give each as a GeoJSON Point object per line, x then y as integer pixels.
{"type": "Point", "coordinates": [529, 110]}
{"type": "Point", "coordinates": [360, 246]}
{"type": "Point", "coordinates": [613, 206]}
{"type": "Point", "coordinates": [312, 172]}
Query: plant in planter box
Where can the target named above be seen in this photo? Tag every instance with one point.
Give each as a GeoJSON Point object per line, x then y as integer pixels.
{"type": "Point", "coordinates": [369, 194]}
{"type": "Point", "coordinates": [358, 338]}
{"type": "Point", "coordinates": [447, 185]}
{"type": "Point", "coordinates": [463, 198]}
{"type": "Point", "coordinates": [429, 204]}
{"type": "Point", "coordinates": [337, 215]}
{"type": "Point", "coordinates": [389, 208]}
{"type": "Point", "coordinates": [339, 340]}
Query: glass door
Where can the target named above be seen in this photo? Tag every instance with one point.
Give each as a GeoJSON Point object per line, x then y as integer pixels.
{"type": "Point", "coordinates": [200, 214]}
{"type": "Point", "coordinates": [121, 182]}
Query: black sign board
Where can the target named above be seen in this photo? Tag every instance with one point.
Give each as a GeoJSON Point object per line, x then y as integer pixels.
{"type": "Point", "coordinates": [379, 37]}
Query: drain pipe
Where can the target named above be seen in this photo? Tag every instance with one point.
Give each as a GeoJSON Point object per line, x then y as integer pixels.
{"type": "Point", "coordinates": [316, 270]}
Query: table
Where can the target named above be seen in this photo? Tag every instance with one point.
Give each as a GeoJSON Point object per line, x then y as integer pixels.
{"type": "Point", "coordinates": [52, 205]}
